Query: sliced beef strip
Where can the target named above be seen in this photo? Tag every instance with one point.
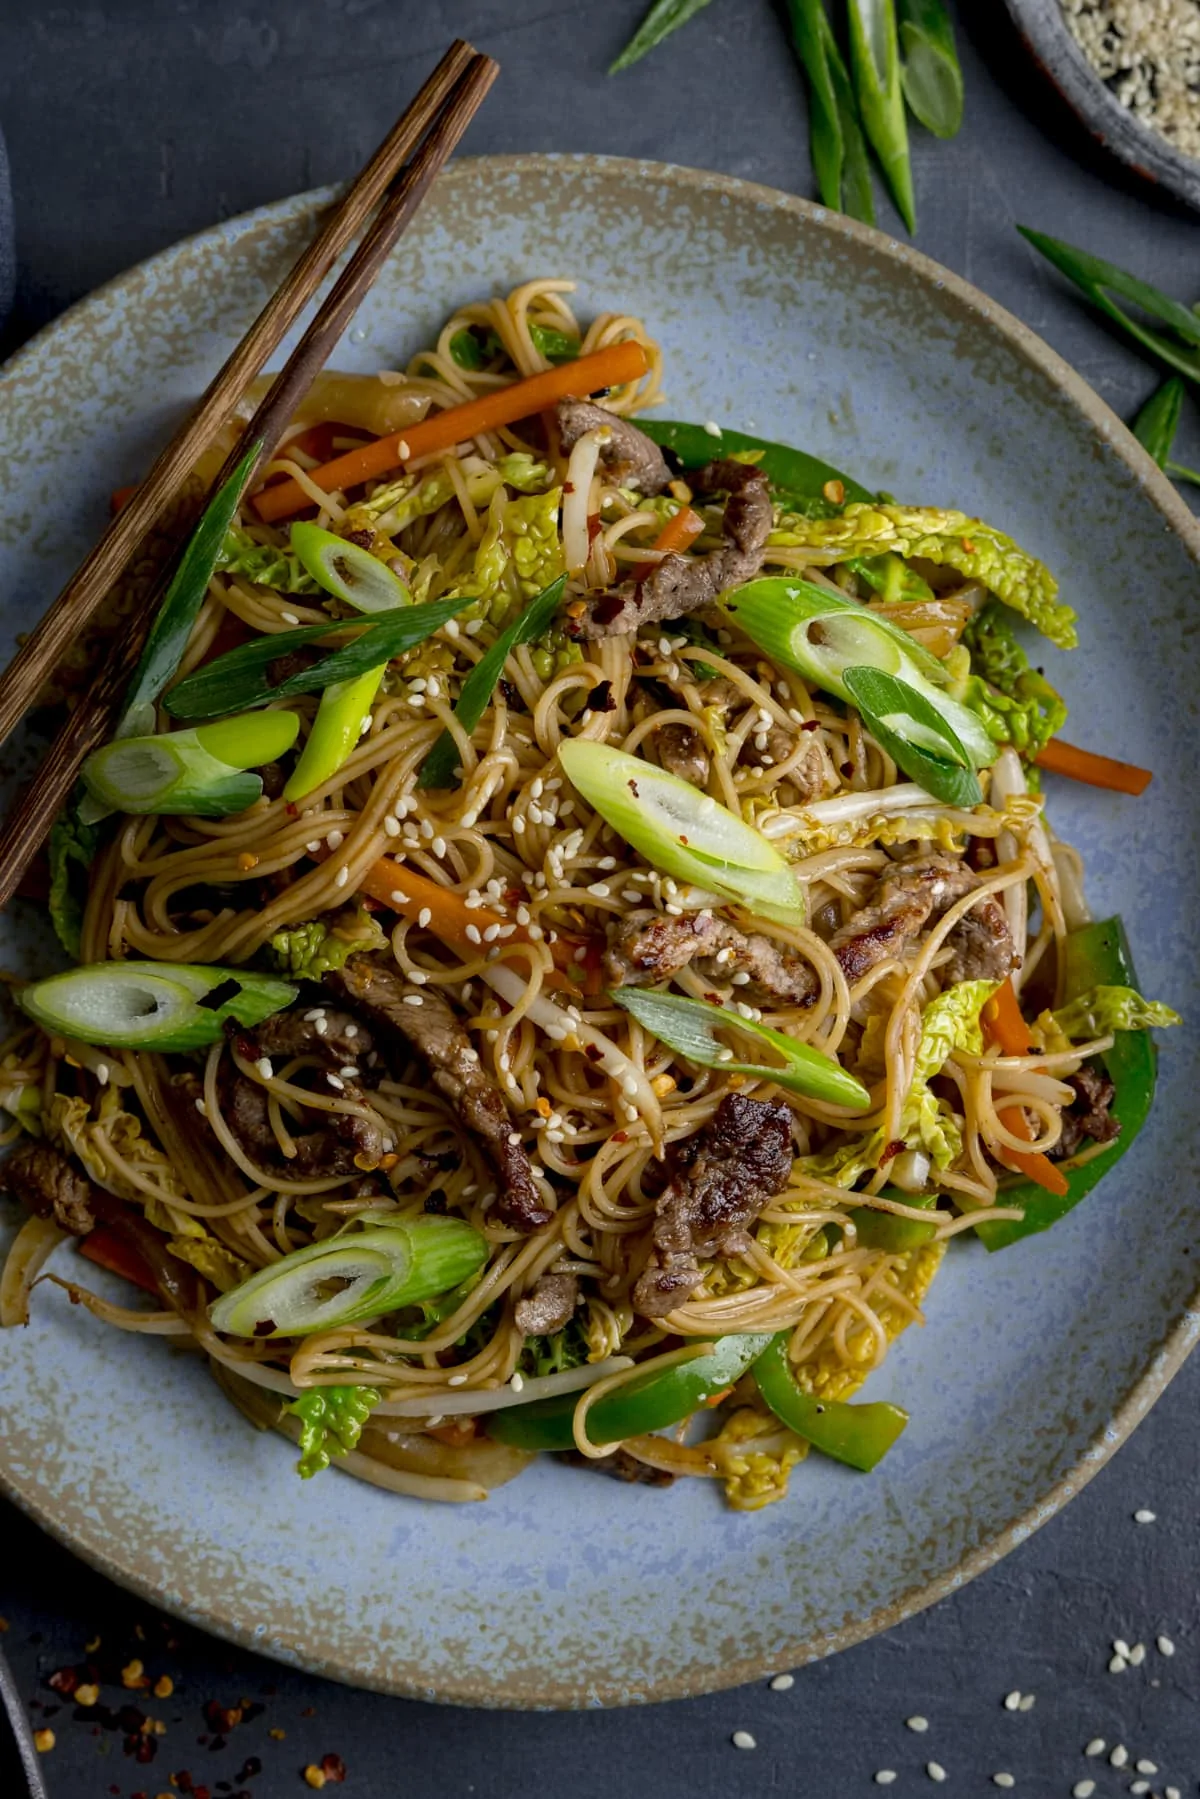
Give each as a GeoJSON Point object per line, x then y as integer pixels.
{"type": "Point", "coordinates": [645, 948]}
{"type": "Point", "coordinates": [982, 945]}
{"type": "Point", "coordinates": [381, 993]}
{"type": "Point", "coordinates": [720, 1178]}
{"type": "Point", "coordinates": [682, 753]}
{"type": "Point", "coordinates": [910, 895]}
{"type": "Point", "coordinates": [49, 1185]}
{"type": "Point", "coordinates": [339, 1144]}
{"type": "Point", "coordinates": [678, 585]}
{"type": "Point", "coordinates": [335, 1036]}
{"type": "Point", "coordinates": [549, 1306]}
{"type": "Point", "coordinates": [630, 457]}
{"type": "Point", "coordinates": [1089, 1115]}
{"type": "Point", "coordinates": [620, 1465]}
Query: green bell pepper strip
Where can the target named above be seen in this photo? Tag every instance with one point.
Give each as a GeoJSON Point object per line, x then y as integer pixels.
{"type": "Point", "coordinates": [884, 1230]}
{"type": "Point", "coordinates": [859, 1435]}
{"type": "Point", "coordinates": [1096, 955]}
{"type": "Point", "coordinates": [649, 1403]}
{"type": "Point", "coordinates": [794, 474]}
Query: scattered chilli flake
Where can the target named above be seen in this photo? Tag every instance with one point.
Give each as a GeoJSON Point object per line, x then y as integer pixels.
{"type": "Point", "coordinates": [742, 1739]}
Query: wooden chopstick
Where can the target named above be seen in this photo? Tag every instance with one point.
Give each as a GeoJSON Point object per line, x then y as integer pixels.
{"type": "Point", "coordinates": [92, 721]}
{"type": "Point", "coordinates": [95, 576]}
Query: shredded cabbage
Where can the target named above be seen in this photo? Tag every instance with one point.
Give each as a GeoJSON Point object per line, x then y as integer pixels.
{"type": "Point", "coordinates": [111, 1138]}
{"type": "Point", "coordinates": [1104, 1009]}
{"type": "Point", "coordinates": [307, 951]}
{"type": "Point", "coordinates": [211, 1259]}
{"type": "Point", "coordinates": [1014, 702]}
{"type": "Point", "coordinates": [268, 565]}
{"type": "Point", "coordinates": [331, 1422]}
{"type": "Point", "coordinates": [519, 554]}
{"type": "Point", "coordinates": [978, 551]}
{"type": "Point", "coordinates": [755, 1455]}
{"type": "Point", "coordinates": [402, 502]}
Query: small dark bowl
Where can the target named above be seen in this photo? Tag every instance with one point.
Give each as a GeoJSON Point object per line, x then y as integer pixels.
{"type": "Point", "coordinates": [1049, 41]}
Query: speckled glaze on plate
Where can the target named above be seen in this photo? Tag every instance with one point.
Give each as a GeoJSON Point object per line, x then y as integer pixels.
{"type": "Point", "coordinates": [568, 1590]}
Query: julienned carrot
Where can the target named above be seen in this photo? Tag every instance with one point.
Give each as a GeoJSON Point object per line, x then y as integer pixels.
{"type": "Point", "coordinates": [447, 914]}
{"type": "Point", "coordinates": [1097, 771]}
{"type": "Point", "coordinates": [610, 367]}
{"type": "Point", "coordinates": [108, 1250]}
{"type": "Point", "coordinates": [1004, 1027]}
{"type": "Point", "coordinates": [679, 531]}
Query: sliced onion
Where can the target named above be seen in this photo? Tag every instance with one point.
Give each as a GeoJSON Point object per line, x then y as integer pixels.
{"type": "Point", "coordinates": [577, 493]}
{"type": "Point", "coordinates": [28, 1254]}
{"type": "Point", "coordinates": [461, 1402]}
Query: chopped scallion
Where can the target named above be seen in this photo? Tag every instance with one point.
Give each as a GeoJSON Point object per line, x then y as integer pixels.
{"type": "Point", "coordinates": [198, 772]}
{"type": "Point", "coordinates": [152, 1005]}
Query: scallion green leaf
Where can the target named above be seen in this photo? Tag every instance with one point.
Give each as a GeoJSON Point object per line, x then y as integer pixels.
{"type": "Point", "coordinates": [875, 71]}
{"type": "Point", "coordinates": [682, 831]}
{"type": "Point", "coordinates": [664, 17]}
{"type": "Point", "coordinates": [688, 1025]}
{"type": "Point", "coordinates": [182, 602]}
{"type": "Point", "coordinates": [931, 74]}
{"type": "Point", "coordinates": [342, 716]}
{"type": "Point", "coordinates": [839, 151]}
{"type": "Point", "coordinates": [240, 680]}
{"type": "Point", "coordinates": [348, 1279]}
{"type": "Point", "coordinates": [915, 735]}
{"type": "Point", "coordinates": [152, 1005]}
{"type": "Point", "coordinates": [437, 770]}
{"type": "Point", "coordinates": [1098, 279]}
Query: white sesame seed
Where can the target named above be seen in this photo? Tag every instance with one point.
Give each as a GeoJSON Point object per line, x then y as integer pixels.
{"type": "Point", "coordinates": [1120, 1647]}
{"type": "Point", "coordinates": [264, 1067]}
{"type": "Point", "coordinates": [342, 876]}
{"type": "Point", "coordinates": [918, 1724]}
{"type": "Point", "coordinates": [742, 1739]}
{"type": "Point", "coordinates": [417, 978]}
{"type": "Point", "coordinates": [336, 839]}
{"type": "Point", "coordinates": [1165, 1646]}
{"type": "Point", "coordinates": [472, 934]}
{"type": "Point", "coordinates": [313, 846]}
{"type": "Point", "coordinates": [514, 1137]}
{"type": "Point", "coordinates": [438, 846]}
{"type": "Point", "coordinates": [338, 1085]}
{"type": "Point", "coordinates": [419, 685]}
{"type": "Point", "coordinates": [290, 618]}
{"type": "Point", "coordinates": [1146, 1767]}
{"type": "Point", "coordinates": [457, 1380]}
{"type": "Point", "coordinates": [397, 898]}
{"type": "Point", "coordinates": [1137, 1655]}
{"type": "Point", "coordinates": [517, 1382]}
{"type": "Point", "coordinates": [714, 430]}
{"type": "Point", "coordinates": [783, 1683]}
{"type": "Point", "coordinates": [413, 999]}
{"type": "Point", "coordinates": [1117, 1664]}
{"type": "Point", "coordinates": [473, 627]}
{"type": "Point", "coordinates": [202, 1108]}
{"type": "Point", "coordinates": [518, 825]}
{"type": "Point", "coordinates": [1003, 1780]}
{"type": "Point", "coordinates": [391, 826]}
{"type": "Point", "coordinates": [1119, 1756]}
{"type": "Point", "coordinates": [599, 889]}
{"type": "Point", "coordinates": [349, 1072]}
{"type": "Point", "coordinates": [1142, 1516]}
{"type": "Point", "coordinates": [1097, 1746]}
{"type": "Point", "coordinates": [885, 1776]}
{"type": "Point", "coordinates": [1012, 1701]}
{"type": "Point", "coordinates": [935, 1771]}
{"type": "Point", "coordinates": [424, 917]}
{"type": "Point", "coordinates": [1028, 1701]}
{"type": "Point", "coordinates": [1083, 1789]}
{"type": "Point", "coordinates": [102, 1072]}
{"type": "Point", "coordinates": [491, 933]}
{"type": "Point", "coordinates": [321, 1025]}
{"type": "Point", "coordinates": [1139, 1787]}
{"type": "Point", "coordinates": [1172, 1793]}
{"type": "Point", "coordinates": [427, 830]}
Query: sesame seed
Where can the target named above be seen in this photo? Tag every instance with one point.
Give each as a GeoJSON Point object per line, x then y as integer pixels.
{"type": "Point", "coordinates": [935, 1771]}
{"type": "Point", "coordinates": [920, 1725]}
{"type": "Point", "coordinates": [349, 1072]}
{"type": "Point", "coordinates": [1142, 1516]}
{"type": "Point", "coordinates": [1120, 1647]}
{"type": "Point", "coordinates": [438, 846]}
{"type": "Point", "coordinates": [491, 933]}
{"type": "Point", "coordinates": [1028, 1701]}
{"type": "Point", "coordinates": [102, 1072]}
{"type": "Point", "coordinates": [1012, 1701]}
{"type": "Point", "coordinates": [457, 1380]}
{"type": "Point", "coordinates": [742, 1739]}
{"type": "Point", "coordinates": [599, 889]}
{"type": "Point", "coordinates": [1137, 1655]}
{"type": "Point", "coordinates": [1165, 1646]}
{"type": "Point", "coordinates": [1117, 1664]}
{"type": "Point", "coordinates": [1083, 1789]}
{"type": "Point", "coordinates": [1119, 1756]}
{"type": "Point", "coordinates": [336, 839]}
{"type": "Point", "coordinates": [202, 1108]}
{"type": "Point", "coordinates": [342, 876]}
{"type": "Point", "coordinates": [1146, 1767]}
{"type": "Point", "coordinates": [313, 845]}
{"type": "Point", "coordinates": [1003, 1780]}
{"type": "Point", "coordinates": [264, 1067]}
{"type": "Point", "coordinates": [884, 1776]}
{"type": "Point", "coordinates": [783, 1683]}
{"type": "Point", "coordinates": [290, 618]}
{"type": "Point", "coordinates": [417, 978]}
{"type": "Point", "coordinates": [336, 1083]}
{"type": "Point", "coordinates": [1139, 1787]}
{"type": "Point", "coordinates": [1097, 1746]}
{"type": "Point", "coordinates": [397, 898]}
{"type": "Point", "coordinates": [517, 1383]}
{"type": "Point", "coordinates": [424, 917]}
{"type": "Point", "coordinates": [472, 934]}
{"type": "Point", "coordinates": [1172, 1793]}
{"type": "Point", "coordinates": [514, 1138]}
{"type": "Point", "coordinates": [391, 826]}
{"type": "Point", "coordinates": [714, 430]}
{"type": "Point", "coordinates": [473, 627]}
{"type": "Point", "coordinates": [518, 825]}
{"type": "Point", "coordinates": [413, 999]}
{"type": "Point", "coordinates": [321, 1025]}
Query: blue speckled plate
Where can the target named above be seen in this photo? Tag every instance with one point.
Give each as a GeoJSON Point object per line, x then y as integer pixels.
{"type": "Point", "coordinates": [568, 1590]}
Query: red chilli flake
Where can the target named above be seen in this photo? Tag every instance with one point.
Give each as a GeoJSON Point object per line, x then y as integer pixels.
{"type": "Point", "coordinates": [64, 1681]}
{"type": "Point", "coordinates": [333, 1768]}
{"type": "Point", "coordinates": [810, 724]}
{"type": "Point", "coordinates": [892, 1149]}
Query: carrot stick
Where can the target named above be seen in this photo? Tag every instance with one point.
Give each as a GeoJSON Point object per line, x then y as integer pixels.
{"type": "Point", "coordinates": [1004, 1027]}
{"type": "Point", "coordinates": [449, 917]}
{"type": "Point", "coordinates": [108, 1250]}
{"type": "Point", "coordinates": [1097, 771]}
{"type": "Point", "coordinates": [679, 531]}
{"type": "Point", "coordinates": [611, 367]}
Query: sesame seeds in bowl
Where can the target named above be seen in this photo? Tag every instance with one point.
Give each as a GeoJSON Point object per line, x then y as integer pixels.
{"type": "Point", "coordinates": [1130, 69]}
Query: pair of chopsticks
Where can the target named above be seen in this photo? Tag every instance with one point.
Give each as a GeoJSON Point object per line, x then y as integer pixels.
{"type": "Point", "coordinates": [394, 181]}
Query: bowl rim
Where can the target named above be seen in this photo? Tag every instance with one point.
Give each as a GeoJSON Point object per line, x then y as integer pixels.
{"type": "Point", "coordinates": [1059, 56]}
{"type": "Point", "coordinates": [1177, 1341]}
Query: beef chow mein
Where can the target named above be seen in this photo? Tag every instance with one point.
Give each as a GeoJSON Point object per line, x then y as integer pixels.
{"type": "Point", "coordinates": [565, 934]}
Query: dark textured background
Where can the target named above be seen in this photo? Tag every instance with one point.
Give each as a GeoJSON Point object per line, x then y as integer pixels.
{"type": "Point", "coordinates": [133, 122]}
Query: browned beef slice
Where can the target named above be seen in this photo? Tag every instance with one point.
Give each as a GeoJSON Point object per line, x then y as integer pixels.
{"type": "Point", "coordinates": [549, 1306]}
{"type": "Point", "coordinates": [381, 993]}
{"type": "Point", "coordinates": [1089, 1116]}
{"type": "Point", "coordinates": [982, 945]}
{"type": "Point", "coordinates": [335, 1035]}
{"type": "Point", "coordinates": [720, 1179]}
{"type": "Point", "coordinates": [49, 1185]}
{"type": "Point", "coordinates": [621, 1466]}
{"type": "Point", "coordinates": [631, 458]}
{"type": "Point", "coordinates": [682, 753]}
{"type": "Point", "coordinates": [907, 896]}
{"type": "Point", "coordinates": [338, 1144]}
{"type": "Point", "coordinates": [644, 949]}
{"type": "Point", "coordinates": [679, 585]}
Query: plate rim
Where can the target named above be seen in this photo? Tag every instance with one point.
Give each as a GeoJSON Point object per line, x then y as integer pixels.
{"type": "Point", "coordinates": [1179, 1339]}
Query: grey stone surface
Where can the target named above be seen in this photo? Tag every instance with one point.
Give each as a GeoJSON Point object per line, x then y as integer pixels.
{"type": "Point", "coordinates": [134, 122]}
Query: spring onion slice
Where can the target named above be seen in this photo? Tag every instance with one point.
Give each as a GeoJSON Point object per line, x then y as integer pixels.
{"type": "Point", "coordinates": [198, 772]}
{"type": "Point", "coordinates": [152, 1005]}
{"type": "Point", "coordinates": [182, 602]}
{"type": "Point", "coordinates": [820, 635]}
{"type": "Point", "coordinates": [348, 1279]}
{"type": "Point", "coordinates": [242, 679]}
{"type": "Point", "coordinates": [682, 831]}
{"type": "Point", "coordinates": [342, 716]}
{"type": "Point", "coordinates": [687, 1026]}
{"type": "Point", "coordinates": [915, 736]}
{"type": "Point", "coordinates": [348, 571]}
{"type": "Point", "coordinates": [437, 770]}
